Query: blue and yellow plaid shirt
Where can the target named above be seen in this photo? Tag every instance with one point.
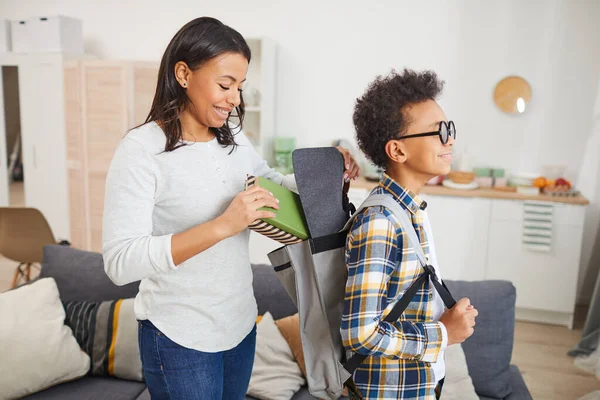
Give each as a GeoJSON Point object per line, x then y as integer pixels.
{"type": "Point", "coordinates": [381, 267]}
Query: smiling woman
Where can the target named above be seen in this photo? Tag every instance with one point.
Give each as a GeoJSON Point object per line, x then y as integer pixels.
{"type": "Point", "coordinates": [200, 83]}
{"type": "Point", "coordinates": [176, 218]}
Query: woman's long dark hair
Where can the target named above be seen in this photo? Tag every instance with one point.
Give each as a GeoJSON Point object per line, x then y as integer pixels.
{"type": "Point", "coordinates": [197, 42]}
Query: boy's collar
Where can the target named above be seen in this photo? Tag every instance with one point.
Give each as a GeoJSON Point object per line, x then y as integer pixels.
{"type": "Point", "coordinates": [406, 197]}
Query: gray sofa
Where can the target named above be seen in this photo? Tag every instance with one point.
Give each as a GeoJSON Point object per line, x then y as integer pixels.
{"type": "Point", "coordinates": [80, 276]}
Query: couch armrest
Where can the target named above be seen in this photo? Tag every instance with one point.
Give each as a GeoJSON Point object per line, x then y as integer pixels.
{"type": "Point", "coordinates": [489, 350]}
{"type": "Point", "coordinates": [520, 391]}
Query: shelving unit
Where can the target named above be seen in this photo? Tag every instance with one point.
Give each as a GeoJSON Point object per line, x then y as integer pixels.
{"type": "Point", "coordinates": [259, 123]}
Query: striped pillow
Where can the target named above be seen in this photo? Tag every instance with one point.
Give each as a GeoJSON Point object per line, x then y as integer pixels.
{"type": "Point", "coordinates": [108, 332]}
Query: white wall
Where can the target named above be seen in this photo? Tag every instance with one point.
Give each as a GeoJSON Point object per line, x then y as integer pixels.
{"type": "Point", "coordinates": [329, 51]}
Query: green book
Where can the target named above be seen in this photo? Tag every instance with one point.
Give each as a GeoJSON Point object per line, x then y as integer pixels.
{"type": "Point", "coordinates": [290, 216]}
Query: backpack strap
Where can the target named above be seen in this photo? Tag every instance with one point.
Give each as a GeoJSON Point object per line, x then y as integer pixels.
{"type": "Point", "coordinates": [385, 201]}
{"type": "Point", "coordinates": [408, 229]}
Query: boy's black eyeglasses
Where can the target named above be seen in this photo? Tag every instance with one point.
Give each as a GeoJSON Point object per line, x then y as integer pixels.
{"type": "Point", "coordinates": [445, 131]}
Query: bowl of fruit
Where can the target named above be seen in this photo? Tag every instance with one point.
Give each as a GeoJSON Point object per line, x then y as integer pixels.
{"type": "Point", "coordinates": [461, 177]}
{"type": "Point", "coordinates": [555, 187]}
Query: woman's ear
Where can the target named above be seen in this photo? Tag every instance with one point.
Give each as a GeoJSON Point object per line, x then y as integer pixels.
{"type": "Point", "coordinates": [182, 73]}
{"type": "Point", "coordinates": [395, 151]}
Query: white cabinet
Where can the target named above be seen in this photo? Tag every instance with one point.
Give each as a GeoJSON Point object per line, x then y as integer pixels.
{"type": "Point", "coordinates": [460, 239]}
{"type": "Point", "coordinates": [546, 282]}
{"type": "Point", "coordinates": [43, 139]}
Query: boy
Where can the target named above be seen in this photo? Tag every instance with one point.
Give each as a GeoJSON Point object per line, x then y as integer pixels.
{"type": "Point", "coordinates": [402, 129]}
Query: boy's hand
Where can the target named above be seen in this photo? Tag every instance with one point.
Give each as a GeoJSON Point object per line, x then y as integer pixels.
{"type": "Point", "coordinates": [459, 321]}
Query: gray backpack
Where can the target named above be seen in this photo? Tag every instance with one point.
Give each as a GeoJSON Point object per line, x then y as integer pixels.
{"type": "Point", "coordinates": [314, 275]}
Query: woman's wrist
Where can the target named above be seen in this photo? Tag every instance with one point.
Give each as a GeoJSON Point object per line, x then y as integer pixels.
{"type": "Point", "coordinates": [221, 228]}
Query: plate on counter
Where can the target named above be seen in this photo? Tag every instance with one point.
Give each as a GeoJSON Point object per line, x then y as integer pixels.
{"type": "Point", "coordinates": [461, 186]}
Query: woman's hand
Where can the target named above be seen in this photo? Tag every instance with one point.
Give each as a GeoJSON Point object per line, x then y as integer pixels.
{"type": "Point", "coordinates": [244, 210]}
{"type": "Point", "coordinates": [352, 170]}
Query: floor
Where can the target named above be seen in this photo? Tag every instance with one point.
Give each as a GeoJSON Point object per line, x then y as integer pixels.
{"type": "Point", "coordinates": [16, 196]}
{"type": "Point", "coordinates": [540, 351]}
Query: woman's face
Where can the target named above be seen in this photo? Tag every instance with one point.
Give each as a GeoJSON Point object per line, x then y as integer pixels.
{"type": "Point", "coordinates": [215, 88]}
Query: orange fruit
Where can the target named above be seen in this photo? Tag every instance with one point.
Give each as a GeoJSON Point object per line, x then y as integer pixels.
{"type": "Point", "coordinates": [540, 182]}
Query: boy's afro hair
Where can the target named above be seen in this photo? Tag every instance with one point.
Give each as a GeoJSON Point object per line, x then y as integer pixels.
{"type": "Point", "coordinates": [378, 114]}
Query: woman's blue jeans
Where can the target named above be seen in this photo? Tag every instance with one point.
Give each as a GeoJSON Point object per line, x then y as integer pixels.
{"type": "Point", "coordinates": [177, 373]}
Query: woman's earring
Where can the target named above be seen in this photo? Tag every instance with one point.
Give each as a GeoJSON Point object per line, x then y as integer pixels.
{"type": "Point", "coordinates": [184, 84]}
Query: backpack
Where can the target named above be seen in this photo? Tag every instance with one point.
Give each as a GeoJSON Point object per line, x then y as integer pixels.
{"type": "Point", "coordinates": [314, 275]}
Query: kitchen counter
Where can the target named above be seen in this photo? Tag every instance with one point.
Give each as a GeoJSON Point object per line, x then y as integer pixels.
{"type": "Point", "coordinates": [362, 183]}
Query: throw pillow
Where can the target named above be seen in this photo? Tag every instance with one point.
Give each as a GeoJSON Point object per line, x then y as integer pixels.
{"type": "Point", "coordinates": [290, 329]}
{"type": "Point", "coordinates": [37, 349]}
{"type": "Point", "coordinates": [457, 384]}
{"type": "Point", "coordinates": [108, 332]}
{"type": "Point", "coordinates": [275, 376]}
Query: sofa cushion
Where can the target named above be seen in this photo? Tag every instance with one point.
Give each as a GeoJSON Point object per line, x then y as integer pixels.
{"type": "Point", "coordinates": [458, 385]}
{"type": "Point", "coordinates": [290, 329]}
{"type": "Point", "coordinates": [489, 350]}
{"type": "Point", "coordinates": [275, 375]}
{"type": "Point", "coordinates": [80, 275]}
{"type": "Point", "coordinates": [302, 394]}
{"type": "Point", "coordinates": [270, 293]}
{"type": "Point", "coordinates": [37, 350]}
{"type": "Point", "coordinates": [92, 388]}
{"type": "Point", "coordinates": [108, 332]}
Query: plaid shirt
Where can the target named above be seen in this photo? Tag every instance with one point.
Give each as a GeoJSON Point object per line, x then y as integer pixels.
{"type": "Point", "coordinates": [381, 267]}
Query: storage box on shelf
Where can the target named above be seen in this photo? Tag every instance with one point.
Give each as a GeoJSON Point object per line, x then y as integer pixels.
{"type": "Point", "coordinates": [47, 34]}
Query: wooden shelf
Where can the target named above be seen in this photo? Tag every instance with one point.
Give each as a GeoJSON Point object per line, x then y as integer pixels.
{"type": "Point", "coordinates": [362, 183]}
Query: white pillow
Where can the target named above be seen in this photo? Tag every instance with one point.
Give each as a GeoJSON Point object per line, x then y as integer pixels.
{"type": "Point", "coordinates": [37, 349]}
{"type": "Point", "coordinates": [276, 375]}
{"type": "Point", "coordinates": [457, 384]}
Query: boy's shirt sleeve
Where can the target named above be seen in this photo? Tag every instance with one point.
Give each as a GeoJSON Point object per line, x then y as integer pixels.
{"type": "Point", "coordinates": [372, 255]}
